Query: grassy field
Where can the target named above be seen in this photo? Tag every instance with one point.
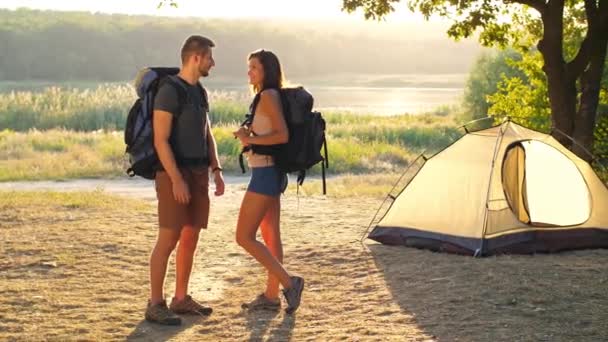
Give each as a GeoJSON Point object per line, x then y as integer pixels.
{"type": "Point", "coordinates": [60, 154]}
{"type": "Point", "coordinates": [75, 267]}
{"type": "Point", "coordinates": [66, 132]}
{"type": "Point", "coordinates": [357, 144]}
{"type": "Point", "coordinates": [75, 131]}
{"type": "Point", "coordinates": [104, 106]}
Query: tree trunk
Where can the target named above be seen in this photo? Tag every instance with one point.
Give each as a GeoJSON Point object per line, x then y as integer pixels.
{"type": "Point", "coordinates": [590, 81]}
{"type": "Point", "coordinates": [562, 88]}
{"type": "Point", "coordinates": [562, 97]}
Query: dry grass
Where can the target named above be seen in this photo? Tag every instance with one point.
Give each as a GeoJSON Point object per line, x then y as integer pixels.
{"type": "Point", "coordinates": [60, 154]}
{"type": "Point", "coordinates": [347, 185]}
{"type": "Point", "coordinates": [75, 268]}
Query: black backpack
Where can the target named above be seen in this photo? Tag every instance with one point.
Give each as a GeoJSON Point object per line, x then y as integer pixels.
{"type": "Point", "coordinates": [139, 133]}
{"type": "Point", "coordinates": [306, 136]}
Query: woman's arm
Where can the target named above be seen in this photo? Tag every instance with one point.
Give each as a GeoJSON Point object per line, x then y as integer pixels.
{"type": "Point", "coordinates": [270, 104]}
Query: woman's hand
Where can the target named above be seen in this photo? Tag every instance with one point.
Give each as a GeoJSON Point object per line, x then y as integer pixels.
{"type": "Point", "coordinates": [242, 134]}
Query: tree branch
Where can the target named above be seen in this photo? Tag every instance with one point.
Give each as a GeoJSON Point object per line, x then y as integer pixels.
{"type": "Point", "coordinates": [538, 5]}
{"type": "Point", "coordinates": [580, 62]}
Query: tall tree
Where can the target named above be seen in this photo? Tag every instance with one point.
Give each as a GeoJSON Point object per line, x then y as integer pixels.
{"type": "Point", "coordinates": [573, 80]}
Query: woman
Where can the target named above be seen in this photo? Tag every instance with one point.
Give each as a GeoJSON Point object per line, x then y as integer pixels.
{"type": "Point", "coordinates": [261, 205]}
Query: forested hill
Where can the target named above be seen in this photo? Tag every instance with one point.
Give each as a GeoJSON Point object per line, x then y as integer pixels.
{"type": "Point", "coordinates": [47, 45]}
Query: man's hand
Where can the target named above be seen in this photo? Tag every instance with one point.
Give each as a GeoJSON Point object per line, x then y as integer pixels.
{"type": "Point", "coordinates": [219, 183]}
{"type": "Point", "coordinates": [181, 191]}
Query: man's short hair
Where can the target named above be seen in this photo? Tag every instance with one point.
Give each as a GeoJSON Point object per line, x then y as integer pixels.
{"type": "Point", "coordinates": [196, 45]}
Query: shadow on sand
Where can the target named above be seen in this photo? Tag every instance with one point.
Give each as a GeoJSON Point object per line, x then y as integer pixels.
{"type": "Point", "coordinates": [146, 331]}
{"type": "Point", "coordinates": [550, 297]}
{"type": "Point", "coordinates": [259, 322]}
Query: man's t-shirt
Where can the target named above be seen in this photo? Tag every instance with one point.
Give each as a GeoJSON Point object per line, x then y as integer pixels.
{"type": "Point", "coordinates": [189, 129]}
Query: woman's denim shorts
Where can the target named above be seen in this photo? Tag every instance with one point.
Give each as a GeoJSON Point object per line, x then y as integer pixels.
{"type": "Point", "coordinates": [267, 180]}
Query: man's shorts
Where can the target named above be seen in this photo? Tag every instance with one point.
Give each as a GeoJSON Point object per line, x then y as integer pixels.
{"type": "Point", "coordinates": [174, 215]}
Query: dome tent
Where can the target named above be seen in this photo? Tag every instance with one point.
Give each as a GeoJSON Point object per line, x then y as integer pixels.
{"type": "Point", "coordinates": [505, 189]}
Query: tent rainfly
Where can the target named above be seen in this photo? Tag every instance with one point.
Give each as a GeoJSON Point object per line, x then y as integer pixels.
{"type": "Point", "coordinates": [505, 189]}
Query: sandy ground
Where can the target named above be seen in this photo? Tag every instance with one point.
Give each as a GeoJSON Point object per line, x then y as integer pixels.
{"type": "Point", "coordinates": [73, 272]}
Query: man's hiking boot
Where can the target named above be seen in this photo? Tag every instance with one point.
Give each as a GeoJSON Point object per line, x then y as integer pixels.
{"type": "Point", "coordinates": [160, 313]}
{"type": "Point", "coordinates": [189, 306]}
{"type": "Point", "coordinates": [262, 302]}
{"type": "Point", "coordinates": [293, 295]}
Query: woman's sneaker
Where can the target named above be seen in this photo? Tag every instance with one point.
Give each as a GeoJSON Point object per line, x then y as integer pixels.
{"type": "Point", "coordinates": [160, 313]}
{"type": "Point", "coordinates": [262, 302]}
{"type": "Point", "coordinates": [188, 306]}
{"type": "Point", "coordinates": [293, 295]}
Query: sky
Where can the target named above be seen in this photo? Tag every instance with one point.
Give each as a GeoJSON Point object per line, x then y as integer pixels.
{"type": "Point", "coordinates": [304, 9]}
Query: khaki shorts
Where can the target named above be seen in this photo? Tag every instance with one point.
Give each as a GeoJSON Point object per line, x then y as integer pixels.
{"type": "Point", "coordinates": [174, 215]}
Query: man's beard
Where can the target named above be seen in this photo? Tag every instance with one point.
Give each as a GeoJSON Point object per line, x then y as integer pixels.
{"type": "Point", "coordinates": [203, 72]}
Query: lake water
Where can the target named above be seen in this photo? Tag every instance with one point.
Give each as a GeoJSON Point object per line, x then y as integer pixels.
{"type": "Point", "coordinates": [384, 101]}
{"type": "Point", "coordinates": [365, 100]}
{"type": "Point", "coordinates": [373, 94]}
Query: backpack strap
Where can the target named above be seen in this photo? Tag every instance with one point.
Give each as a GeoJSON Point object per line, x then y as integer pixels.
{"type": "Point", "coordinates": [325, 150]}
{"type": "Point", "coordinates": [182, 92]}
{"type": "Point", "coordinates": [248, 122]}
{"type": "Point", "coordinates": [204, 93]}
{"type": "Point", "coordinates": [324, 165]}
{"type": "Point", "coordinates": [254, 106]}
{"type": "Point", "coordinates": [241, 160]}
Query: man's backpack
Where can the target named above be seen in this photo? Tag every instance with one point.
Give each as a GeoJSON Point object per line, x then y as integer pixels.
{"type": "Point", "coordinates": [139, 133]}
{"type": "Point", "coordinates": [306, 136]}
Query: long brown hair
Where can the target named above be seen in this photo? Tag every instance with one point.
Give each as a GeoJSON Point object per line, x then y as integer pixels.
{"type": "Point", "coordinates": [273, 72]}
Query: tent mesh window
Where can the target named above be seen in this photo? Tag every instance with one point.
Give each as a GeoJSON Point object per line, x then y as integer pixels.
{"type": "Point", "coordinates": [544, 187]}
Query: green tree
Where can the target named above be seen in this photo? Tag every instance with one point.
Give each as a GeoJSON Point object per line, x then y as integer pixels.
{"type": "Point", "coordinates": [525, 100]}
{"type": "Point", "coordinates": [483, 80]}
{"type": "Point", "coordinates": [573, 70]}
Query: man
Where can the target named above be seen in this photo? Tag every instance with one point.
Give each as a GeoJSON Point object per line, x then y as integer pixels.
{"type": "Point", "coordinates": [187, 151]}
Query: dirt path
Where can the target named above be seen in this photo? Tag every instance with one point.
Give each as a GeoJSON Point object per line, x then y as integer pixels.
{"type": "Point", "coordinates": [133, 187]}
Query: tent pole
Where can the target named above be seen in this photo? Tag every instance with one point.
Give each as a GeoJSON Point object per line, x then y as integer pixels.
{"type": "Point", "coordinates": [473, 121]}
{"type": "Point", "coordinates": [593, 157]}
{"type": "Point", "coordinates": [480, 250]}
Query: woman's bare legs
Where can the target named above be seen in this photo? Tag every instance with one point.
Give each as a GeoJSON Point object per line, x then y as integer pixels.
{"type": "Point", "coordinates": [271, 234]}
{"type": "Point", "coordinates": [253, 210]}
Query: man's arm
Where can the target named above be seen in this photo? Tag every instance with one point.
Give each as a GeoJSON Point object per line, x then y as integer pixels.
{"type": "Point", "coordinates": [214, 159]}
{"type": "Point", "coordinates": [162, 131]}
